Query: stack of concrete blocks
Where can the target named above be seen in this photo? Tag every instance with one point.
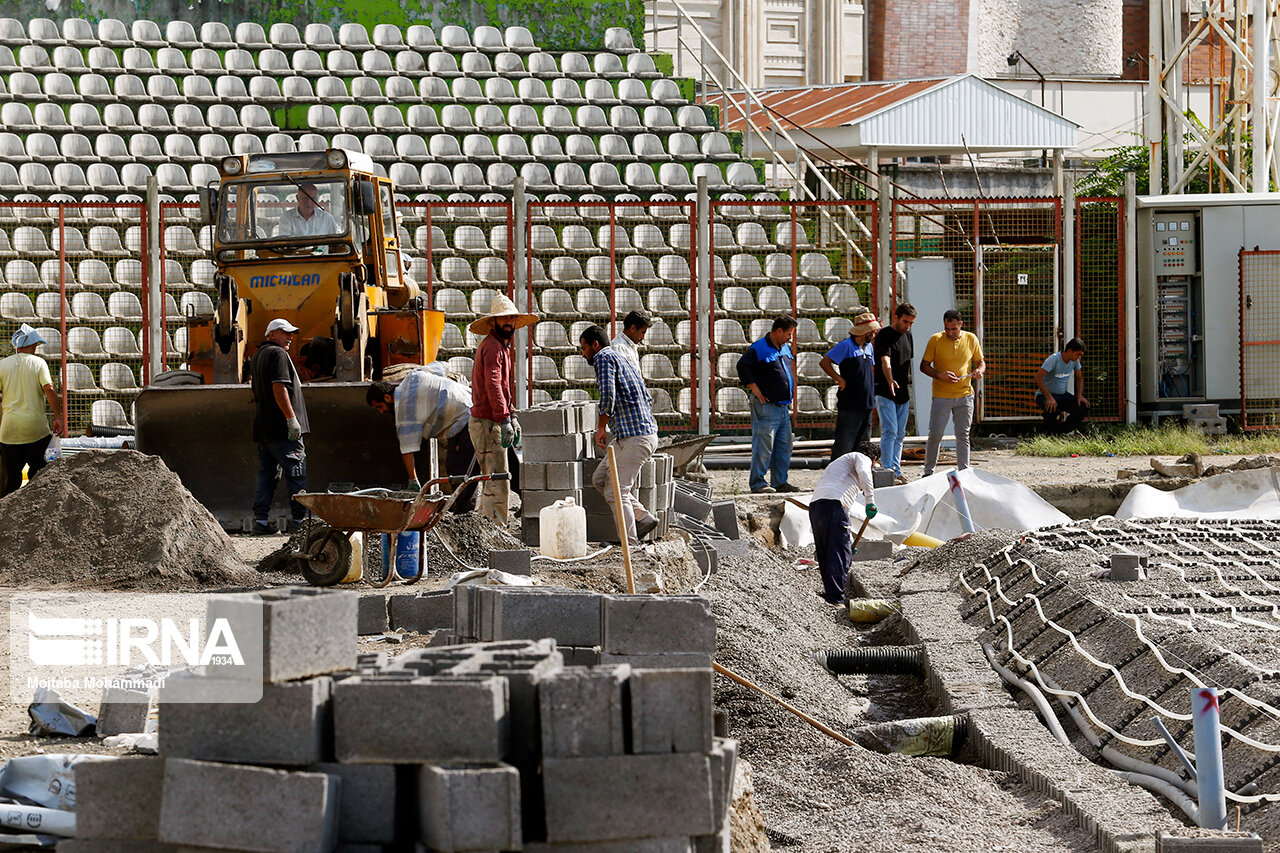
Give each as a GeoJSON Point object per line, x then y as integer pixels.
{"type": "Point", "coordinates": [655, 487]}
{"type": "Point", "coordinates": [1204, 417]}
{"type": "Point", "coordinates": [556, 439]}
{"type": "Point", "coordinates": [493, 746]}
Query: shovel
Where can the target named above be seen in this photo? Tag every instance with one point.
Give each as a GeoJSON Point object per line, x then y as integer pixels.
{"type": "Point", "coordinates": [858, 538]}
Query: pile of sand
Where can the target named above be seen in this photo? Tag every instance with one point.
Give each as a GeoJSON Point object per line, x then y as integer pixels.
{"type": "Point", "coordinates": [113, 520]}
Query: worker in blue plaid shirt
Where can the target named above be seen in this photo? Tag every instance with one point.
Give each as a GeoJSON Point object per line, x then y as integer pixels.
{"type": "Point", "coordinates": [626, 406]}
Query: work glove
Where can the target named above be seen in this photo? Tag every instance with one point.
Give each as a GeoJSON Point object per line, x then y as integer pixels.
{"type": "Point", "coordinates": [414, 485]}
{"type": "Point", "coordinates": [508, 432]}
{"type": "Point", "coordinates": [292, 429]}
{"type": "Point", "coordinates": [515, 423]}
{"type": "Point", "coordinates": [871, 511]}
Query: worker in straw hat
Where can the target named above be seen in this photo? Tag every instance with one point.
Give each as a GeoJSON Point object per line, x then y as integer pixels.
{"type": "Point", "coordinates": [25, 386]}
{"type": "Point", "coordinates": [852, 364]}
{"type": "Point", "coordinates": [493, 426]}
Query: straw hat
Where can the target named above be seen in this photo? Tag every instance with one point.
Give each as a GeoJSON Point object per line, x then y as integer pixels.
{"type": "Point", "coordinates": [864, 324]}
{"type": "Point", "coordinates": [501, 307]}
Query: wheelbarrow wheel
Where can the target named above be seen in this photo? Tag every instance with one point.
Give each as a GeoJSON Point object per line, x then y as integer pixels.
{"type": "Point", "coordinates": [327, 556]}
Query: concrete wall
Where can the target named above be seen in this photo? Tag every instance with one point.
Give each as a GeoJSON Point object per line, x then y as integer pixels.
{"type": "Point", "coordinates": [1076, 37]}
{"type": "Point", "coordinates": [563, 25]}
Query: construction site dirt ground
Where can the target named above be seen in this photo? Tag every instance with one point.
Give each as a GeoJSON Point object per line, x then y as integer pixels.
{"type": "Point", "coordinates": [812, 792]}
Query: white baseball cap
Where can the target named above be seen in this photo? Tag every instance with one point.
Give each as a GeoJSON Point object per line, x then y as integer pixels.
{"type": "Point", "coordinates": [282, 325]}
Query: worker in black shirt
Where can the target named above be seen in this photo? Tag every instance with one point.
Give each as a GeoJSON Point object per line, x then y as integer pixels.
{"type": "Point", "coordinates": [279, 423]}
{"type": "Point", "coordinates": [894, 351]}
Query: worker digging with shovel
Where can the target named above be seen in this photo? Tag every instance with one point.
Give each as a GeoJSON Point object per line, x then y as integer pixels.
{"type": "Point", "coordinates": [834, 499]}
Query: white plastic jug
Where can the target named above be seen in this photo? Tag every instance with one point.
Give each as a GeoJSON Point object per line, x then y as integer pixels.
{"type": "Point", "coordinates": [562, 530]}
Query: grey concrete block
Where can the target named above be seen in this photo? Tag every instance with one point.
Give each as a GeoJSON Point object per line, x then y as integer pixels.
{"type": "Point", "coordinates": [588, 416]}
{"type": "Point", "coordinates": [724, 761]}
{"type": "Point", "coordinates": [582, 712]}
{"type": "Point", "coordinates": [123, 709]}
{"type": "Point", "coordinates": [1202, 841]}
{"type": "Point", "coordinates": [571, 617]}
{"type": "Point", "coordinates": [563, 475]}
{"type": "Point", "coordinates": [685, 660]}
{"type": "Point", "coordinates": [303, 631]}
{"type": "Point", "coordinates": [602, 527]}
{"type": "Point", "coordinates": [291, 725]}
{"type": "Point", "coordinates": [247, 808]}
{"type": "Point", "coordinates": [550, 419]}
{"type": "Point", "coordinates": [580, 655]}
{"type": "Point", "coordinates": [371, 614]}
{"type": "Point", "coordinates": [464, 610]}
{"type": "Point", "coordinates": [530, 531]}
{"type": "Point", "coordinates": [366, 801]}
{"type": "Point", "coordinates": [873, 549]}
{"type": "Point", "coordinates": [533, 475]}
{"type": "Point", "coordinates": [532, 503]}
{"type": "Point", "coordinates": [646, 478]}
{"type": "Point", "coordinates": [671, 710]}
{"type": "Point", "coordinates": [115, 845]}
{"type": "Point", "coordinates": [515, 562]}
{"type": "Point", "coordinates": [119, 798]}
{"type": "Point", "coordinates": [664, 466]}
{"type": "Point", "coordinates": [724, 516]}
{"type": "Point", "coordinates": [628, 796]}
{"type": "Point", "coordinates": [593, 500]}
{"type": "Point", "coordinates": [707, 558]}
{"type": "Point", "coordinates": [390, 720]}
{"type": "Point", "coordinates": [647, 496]}
{"type": "Point", "coordinates": [631, 845]}
{"type": "Point", "coordinates": [1199, 410]}
{"type": "Point", "coordinates": [423, 612]}
{"type": "Point", "coordinates": [552, 448]}
{"type": "Point", "coordinates": [1126, 567]}
{"type": "Point", "coordinates": [656, 624]}
{"type": "Point", "coordinates": [469, 807]}
{"type": "Point", "coordinates": [692, 505]}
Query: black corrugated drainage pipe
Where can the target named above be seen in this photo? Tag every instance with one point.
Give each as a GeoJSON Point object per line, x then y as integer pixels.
{"type": "Point", "coordinates": [873, 660]}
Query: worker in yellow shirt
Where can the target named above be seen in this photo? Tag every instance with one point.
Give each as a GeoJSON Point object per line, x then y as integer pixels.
{"type": "Point", "coordinates": [25, 386]}
{"type": "Point", "coordinates": [953, 357]}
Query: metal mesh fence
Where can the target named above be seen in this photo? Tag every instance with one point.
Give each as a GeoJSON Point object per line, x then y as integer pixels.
{"type": "Point", "coordinates": [1260, 338]}
{"type": "Point", "coordinates": [811, 260]}
{"type": "Point", "coordinates": [591, 264]}
{"type": "Point", "coordinates": [72, 272]}
{"type": "Point", "coordinates": [1005, 255]}
{"type": "Point", "coordinates": [1099, 303]}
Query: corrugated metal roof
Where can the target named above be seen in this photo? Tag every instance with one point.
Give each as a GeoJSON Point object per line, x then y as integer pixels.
{"type": "Point", "coordinates": [928, 114]}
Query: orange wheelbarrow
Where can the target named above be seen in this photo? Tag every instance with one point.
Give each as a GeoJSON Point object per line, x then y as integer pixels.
{"type": "Point", "coordinates": [325, 556]}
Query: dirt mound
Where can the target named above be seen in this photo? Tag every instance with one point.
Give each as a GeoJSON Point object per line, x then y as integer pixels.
{"type": "Point", "coordinates": [113, 520]}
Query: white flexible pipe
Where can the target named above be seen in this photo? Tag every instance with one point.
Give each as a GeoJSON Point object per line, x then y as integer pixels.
{"type": "Point", "coordinates": [1042, 704]}
{"type": "Point", "coordinates": [1164, 789]}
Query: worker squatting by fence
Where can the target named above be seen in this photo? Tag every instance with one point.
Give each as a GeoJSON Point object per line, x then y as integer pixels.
{"type": "Point", "coordinates": [81, 272]}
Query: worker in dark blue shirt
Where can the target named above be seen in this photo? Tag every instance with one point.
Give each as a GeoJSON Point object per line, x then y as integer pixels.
{"type": "Point", "coordinates": [851, 363]}
{"type": "Point", "coordinates": [767, 369]}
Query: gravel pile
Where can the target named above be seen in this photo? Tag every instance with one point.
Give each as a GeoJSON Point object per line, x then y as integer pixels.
{"type": "Point", "coordinates": [113, 520]}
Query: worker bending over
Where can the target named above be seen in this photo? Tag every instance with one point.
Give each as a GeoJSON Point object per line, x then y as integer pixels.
{"type": "Point", "coordinates": [428, 405]}
{"type": "Point", "coordinates": [1063, 410]}
{"type": "Point", "coordinates": [626, 408]}
{"type": "Point", "coordinates": [833, 502]}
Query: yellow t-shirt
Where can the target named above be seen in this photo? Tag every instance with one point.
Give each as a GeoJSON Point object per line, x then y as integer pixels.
{"type": "Point", "coordinates": [22, 380]}
{"type": "Point", "coordinates": [957, 356]}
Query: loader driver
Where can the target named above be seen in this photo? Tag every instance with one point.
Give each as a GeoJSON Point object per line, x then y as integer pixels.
{"type": "Point", "coordinates": [428, 405]}
{"type": "Point", "coordinates": [308, 219]}
{"type": "Point", "coordinates": [279, 423]}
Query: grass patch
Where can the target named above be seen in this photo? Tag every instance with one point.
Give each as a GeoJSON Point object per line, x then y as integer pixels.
{"type": "Point", "coordinates": [1168, 440]}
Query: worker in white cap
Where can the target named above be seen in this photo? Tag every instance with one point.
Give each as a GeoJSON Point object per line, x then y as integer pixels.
{"type": "Point", "coordinates": [25, 386]}
{"type": "Point", "coordinates": [279, 423]}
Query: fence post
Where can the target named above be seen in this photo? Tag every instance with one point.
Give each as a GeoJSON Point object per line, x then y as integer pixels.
{"type": "Point", "coordinates": [884, 244]}
{"type": "Point", "coordinates": [702, 325]}
{"type": "Point", "coordinates": [523, 296]}
{"type": "Point", "coordinates": [1129, 298]}
{"type": "Point", "coordinates": [155, 298]}
{"type": "Point", "coordinates": [1067, 329]}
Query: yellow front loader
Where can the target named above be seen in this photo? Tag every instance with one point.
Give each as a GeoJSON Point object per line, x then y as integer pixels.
{"type": "Point", "coordinates": [310, 237]}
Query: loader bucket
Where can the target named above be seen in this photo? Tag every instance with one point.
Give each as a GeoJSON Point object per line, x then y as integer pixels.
{"type": "Point", "coordinates": [204, 433]}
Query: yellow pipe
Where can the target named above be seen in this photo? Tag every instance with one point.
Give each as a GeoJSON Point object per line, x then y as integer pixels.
{"type": "Point", "coordinates": [922, 540]}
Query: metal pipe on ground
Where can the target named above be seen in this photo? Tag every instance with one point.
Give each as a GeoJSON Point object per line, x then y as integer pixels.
{"type": "Point", "coordinates": [732, 463]}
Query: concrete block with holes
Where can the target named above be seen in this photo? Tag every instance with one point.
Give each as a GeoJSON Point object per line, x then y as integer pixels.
{"type": "Point", "coordinates": [371, 614]}
{"type": "Point", "coordinates": [583, 711]}
{"type": "Point", "coordinates": [296, 632]}
{"type": "Point", "coordinates": [463, 807]}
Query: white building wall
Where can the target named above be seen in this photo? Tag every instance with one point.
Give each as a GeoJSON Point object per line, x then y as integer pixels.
{"type": "Point", "coordinates": [1059, 37]}
{"type": "Point", "coordinates": [769, 42]}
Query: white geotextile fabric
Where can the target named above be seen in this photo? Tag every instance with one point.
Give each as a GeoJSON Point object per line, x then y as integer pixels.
{"type": "Point", "coordinates": [926, 506]}
{"type": "Point", "coordinates": [1236, 494]}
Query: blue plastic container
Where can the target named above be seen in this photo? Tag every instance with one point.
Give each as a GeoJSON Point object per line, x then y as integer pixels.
{"type": "Point", "coordinates": [406, 554]}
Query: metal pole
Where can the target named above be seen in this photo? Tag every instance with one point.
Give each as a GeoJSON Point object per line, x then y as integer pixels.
{"type": "Point", "coordinates": [1155, 107]}
{"type": "Point", "coordinates": [884, 243]}
{"type": "Point", "coordinates": [1208, 746]}
{"type": "Point", "coordinates": [1130, 298]}
{"type": "Point", "coordinates": [1261, 84]}
{"type": "Point", "coordinates": [155, 327]}
{"type": "Point", "coordinates": [962, 503]}
{"type": "Point", "coordinates": [1068, 279]}
{"type": "Point", "coordinates": [523, 294]}
{"type": "Point", "coordinates": [702, 325]}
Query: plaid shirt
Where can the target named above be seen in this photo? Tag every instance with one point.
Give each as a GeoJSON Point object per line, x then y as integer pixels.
{"type": "Point", "coordinates": [429, 406]}
{"type": "Point", "coordinates": [623, 396]}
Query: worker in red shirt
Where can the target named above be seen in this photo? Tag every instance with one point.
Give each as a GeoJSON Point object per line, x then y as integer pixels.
{"type": "Point", "coordinates": [493, 425]}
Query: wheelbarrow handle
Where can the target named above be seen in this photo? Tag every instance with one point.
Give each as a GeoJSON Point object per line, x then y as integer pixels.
{"type": "Point", "coordinates": [462, 479]}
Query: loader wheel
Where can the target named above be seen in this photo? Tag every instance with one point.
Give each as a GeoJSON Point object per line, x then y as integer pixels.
{"type": "Point", "coordinates": [328, 557]}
